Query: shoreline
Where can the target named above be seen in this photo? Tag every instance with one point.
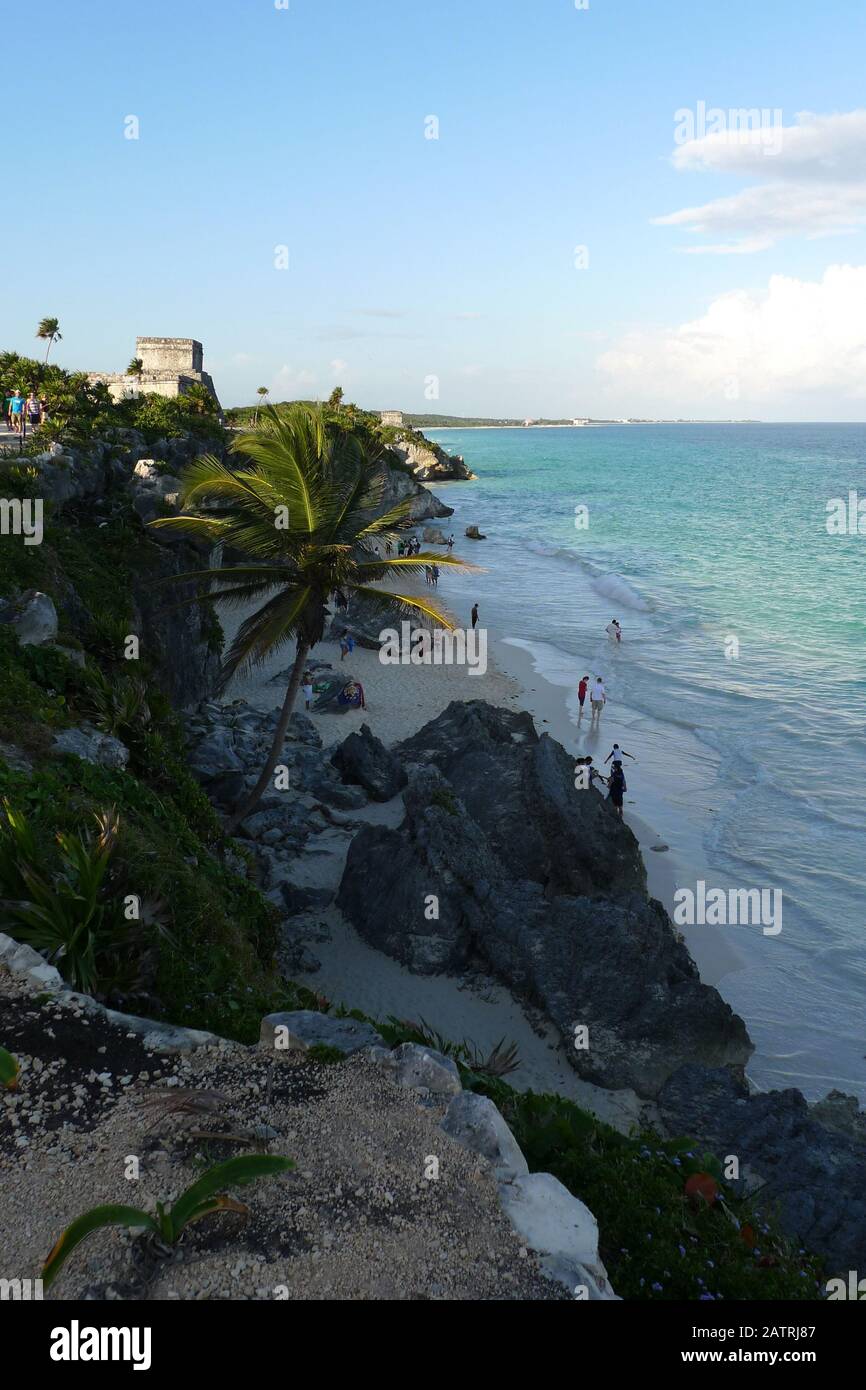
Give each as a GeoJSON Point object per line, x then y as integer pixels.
{"type": "Point", "coordinates": [400, 700]}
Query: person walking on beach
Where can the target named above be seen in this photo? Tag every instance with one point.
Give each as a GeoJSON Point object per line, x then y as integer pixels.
{"type": "Point", "coordinates": [450, 544]}
{"type": "Point", "coordinates": [581, 695]}
{"type": "Point", "coordinates": [617, 754]}
{"type": "Point", "coordinates": [434, 575]}
{"type": "Point", "coordinates": [597, 699]}
{"type": "Point", "coordinates": [347, 645]}
{"type": "Point", "coordinates": [616, 788]}
{"type": "Point", "coordinates": [307, 689]}
{"type": "Point", "coordinates": [474, 614]}
{"type": "Point", "coordinates": [34, 412]}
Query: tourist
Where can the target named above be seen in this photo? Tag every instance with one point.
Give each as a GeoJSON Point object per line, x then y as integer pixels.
{"type": "Point", "coordinates": [616, 788]}
{"type": "Point", "coordinates": [16, 410]}
{"type": "Point", "coordinates": [581, 695]}
{"type": "Point", "coordinates": [593, 775]}
{"type": "Point", "coordinates": [597, 699]}
{"type": "Point", "coordinates": [347, 645]}
{"type": "Point", "coordinates": [400, 547]}
{"type": "Point", "coordinates": [427, 574]}
{"type": "Point", "coordinates": [434, 576]}
{"type": "Point", "coordinates": [308, 691]}
{"type": "Point", "coordinates": [388, 547]}
{"type": "Point", "coordinates": [34, 412]}
{"type": "Point", "coordinates": [617, 754]}
{"type": "Point", "coordinates": [614, 631]}
{"type": "Point", "coordinates": [450, 544]}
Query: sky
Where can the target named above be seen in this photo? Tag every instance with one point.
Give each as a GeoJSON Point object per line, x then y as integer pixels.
{"type": "Point", "coordinates": [473, 207]}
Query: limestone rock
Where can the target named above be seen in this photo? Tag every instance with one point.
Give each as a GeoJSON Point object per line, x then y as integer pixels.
{"type": "Point", "coordinates": [33, 618]}
{"type": "Point", "coordinates": [302, 1029]}
{"type": "Point", "coordinates": [475, 1122]}
{"type": "Point", "coordinates": [560, 1229]}
{"type": "Point", "coordinates": [92, 746]}
{"type": "Point", "coordinates": [473, 534]}
{"type": "Point", "coordinates": [424, 1069]}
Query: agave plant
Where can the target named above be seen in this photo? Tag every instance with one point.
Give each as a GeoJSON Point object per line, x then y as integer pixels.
{"type": "Point", "coordinates": [118, 706]}
{"type": "Point", "coordinates": [203, 1198]}
{"type": "Point", "coordinates": [306, 507]}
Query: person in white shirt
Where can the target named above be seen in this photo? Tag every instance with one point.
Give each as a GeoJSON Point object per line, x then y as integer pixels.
{"type": "Point", "coordinates": [617, 754]}
{"type": "Point", "coordinates": [597, 698]}
{"type": "Point", "coordinates": [614, 630]}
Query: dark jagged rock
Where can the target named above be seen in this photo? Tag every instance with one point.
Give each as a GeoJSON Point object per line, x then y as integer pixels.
{"type": "Point", "coordinates": [519, 788]}
{"type": "Point", "coordinates": [364, 760]}
{"type": "Point", "coordinates": [439, 894]}
{"type": "Point", "coordinates": [815, 1171]}
{"type": "Point", "coordinates": [364, 622]}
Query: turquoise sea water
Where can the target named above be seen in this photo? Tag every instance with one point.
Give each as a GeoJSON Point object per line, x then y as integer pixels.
{"type": "Point", "coordinates": [698, 535]}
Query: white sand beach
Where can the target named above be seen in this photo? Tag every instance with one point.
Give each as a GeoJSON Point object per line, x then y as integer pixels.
{"type": "Point", "coordinates": [400, 700]}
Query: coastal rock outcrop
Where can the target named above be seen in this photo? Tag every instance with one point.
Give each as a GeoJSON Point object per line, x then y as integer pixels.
{"type": "Point", "coordinates": [811, 1158]}
{"type": "Point", "coordinates": [494, 863]}
{"type": "Point", "coordinates": [472, 533]}
{"type": "Point", "coordinates": [364, 760]}
{"type": "Point", "coordinates": [430, 462]}
{"type": "Point", "coordinates": [32, 617]}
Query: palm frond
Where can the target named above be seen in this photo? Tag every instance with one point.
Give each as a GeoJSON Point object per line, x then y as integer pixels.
{"type": "Point", "coordinates": [409, 604]}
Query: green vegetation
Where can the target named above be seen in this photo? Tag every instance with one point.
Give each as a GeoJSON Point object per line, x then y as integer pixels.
{"type": "Point", "coordinates": [305, 511]}
{"type": "Point", "coordinates": [670, 1227]}
{"type": "Point", "coordinates": [8, 1070]}
{"type": "Point", "coordinates": [79, 410]}
{"type": "Point", "coordinates": [203, 1198]}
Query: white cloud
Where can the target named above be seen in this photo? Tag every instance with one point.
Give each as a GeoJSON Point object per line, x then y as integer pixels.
{"type": "Point", "coordinates": [814, 185]}
{"type": "Point", "coordinates": [338, 365]}
{"type": "Point", "coordinates": [796, 339]}
{"type": "Point", "coordinates": [289, 382]}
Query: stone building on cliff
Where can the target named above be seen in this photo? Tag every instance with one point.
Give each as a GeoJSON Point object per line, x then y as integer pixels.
{"type": "Point", "coordinates": [169, 366]}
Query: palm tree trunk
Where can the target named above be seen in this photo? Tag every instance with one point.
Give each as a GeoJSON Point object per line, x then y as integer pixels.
{"type": "Point", "coordinates": [248, 806]}
{"type": "Point", "coordinates": [47, 350]}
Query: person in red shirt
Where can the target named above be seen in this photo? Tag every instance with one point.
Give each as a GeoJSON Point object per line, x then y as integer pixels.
{"type": "Point", "coordinates": [581, 695]}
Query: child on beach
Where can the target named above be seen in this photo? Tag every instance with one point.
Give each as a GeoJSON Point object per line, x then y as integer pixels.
{"type": "Point", "coordinates": [617, 754]}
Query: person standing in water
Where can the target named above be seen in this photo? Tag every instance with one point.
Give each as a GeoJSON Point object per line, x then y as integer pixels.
{"type": "Point", "coordinates": [614, 631]}
{"type": "Point", "coordinates": [617, 754]}
{"type": "Point", "coordinates": [597, 699]}
{"type": "Point", "coordinates": [581, 695]}
{"type": "Point", "coordinates": [474, 614]}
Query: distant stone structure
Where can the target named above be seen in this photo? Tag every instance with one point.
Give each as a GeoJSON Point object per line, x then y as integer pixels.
{"type": "Point", "coordinates": [391, 417]}
{"type": "Point", "coordinates": [169, 367]}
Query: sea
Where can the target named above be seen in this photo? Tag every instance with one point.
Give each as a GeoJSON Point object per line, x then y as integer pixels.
{"type": "Point", "coordinates": [732, 557]}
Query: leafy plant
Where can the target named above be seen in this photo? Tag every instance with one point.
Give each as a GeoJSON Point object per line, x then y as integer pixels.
{"type": "Point", "coordinates": [8, 1070]}
{"type": "Point", "coordinates": [203, 1198]}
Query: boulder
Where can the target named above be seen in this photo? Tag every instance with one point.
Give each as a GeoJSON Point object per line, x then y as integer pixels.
{"type": "Point", "coordinates": [33, 618]}
{"type": "Point", "coordinates": [302, 1029]}
{"type": "Point", "coordinates": [473, 534]}
{"type": "Point", "coordinates": [364, 760]}
{"type": "Point", "coordinates": [561, 1230]}
{"type": "Point", "coordinates": [812, 1160]}
{"type": "Point", "coordinates": [425, 1069]}
{"type": "Point", "coordinates": [215, 756]}
{"type": "Point", "coordinates": [462, 887]}
{"type": "Point", "coordinates": [92, 746]}
{"type": "Point", "coordinates": [475, 1122]}
{"type": "Point", "coordinates": [431, 535]}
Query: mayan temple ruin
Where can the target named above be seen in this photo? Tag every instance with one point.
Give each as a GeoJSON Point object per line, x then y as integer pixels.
{"type": "Point", "coordinates": [169, 367]}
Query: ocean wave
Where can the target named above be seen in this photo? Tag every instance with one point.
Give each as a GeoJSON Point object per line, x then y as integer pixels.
{"type": "Point", "coordinates": [605, 582]}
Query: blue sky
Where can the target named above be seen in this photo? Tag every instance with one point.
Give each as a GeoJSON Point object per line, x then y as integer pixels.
{"type": "Point", "coordinates": [449, 258]}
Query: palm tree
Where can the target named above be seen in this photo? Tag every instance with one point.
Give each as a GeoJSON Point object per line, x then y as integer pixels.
{"type": "Point", "coordinates": [49, 329]}
{"type": "Point", "coordinates": [200, 400]}
{"type": "Point", "coordinates": [136, 368]}
{"type": "Point", "coordinates": [261, 392]}
{"type": "Point", "coordinates": [305, 507]}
